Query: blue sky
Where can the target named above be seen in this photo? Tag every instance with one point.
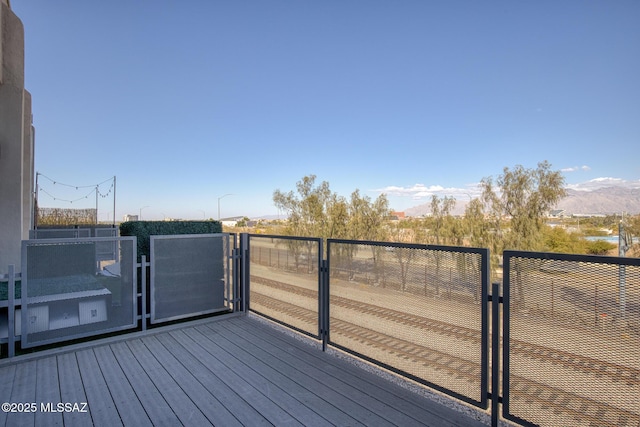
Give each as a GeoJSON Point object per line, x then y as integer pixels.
{"type": "Point", "coordinates": [187, 101]}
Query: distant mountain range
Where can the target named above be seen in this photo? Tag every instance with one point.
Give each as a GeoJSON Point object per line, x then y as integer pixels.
{"type": "Point", "coordinates": [606, 201]}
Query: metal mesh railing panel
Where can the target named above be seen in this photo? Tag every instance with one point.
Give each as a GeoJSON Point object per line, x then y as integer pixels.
{"type": "Point", "coordinates": [573, 349]}
{"type": "Point", "coordinates": [189, 275]}
{"type": "Point", "coordinates": [67, 293]}
{"type": "Point", "coordinates": [285, 280]}
{"type": "Point", "coordinates": [59, 233]}
{"type": "Point", "coordinates": [106, 249]}
{"type": "Point", "coordinates": [415, 310]}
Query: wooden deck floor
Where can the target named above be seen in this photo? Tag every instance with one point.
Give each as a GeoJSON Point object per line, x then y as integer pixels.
{"type": "Point", "coordinates": [226, 371]}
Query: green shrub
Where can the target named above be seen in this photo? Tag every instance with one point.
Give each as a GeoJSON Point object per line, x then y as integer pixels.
{"type": "Point", "coordinates": [143, 229]}
{"type": "Point", "coordinates": [599, 247]}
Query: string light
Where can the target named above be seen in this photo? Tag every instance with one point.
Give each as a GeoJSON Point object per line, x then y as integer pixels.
{"type": "Point", "coordinates": [64, 200]}
{"type": "Point", "coordinates": [94, 189]}
{"type": "Point", "coordinates": [77, 187]}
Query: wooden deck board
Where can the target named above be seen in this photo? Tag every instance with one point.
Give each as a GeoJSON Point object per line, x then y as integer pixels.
{"type": "Point", "coordinates": [131, 411]}
{"type": "Point", "coordinates": [217, 399]}
{"type": "Point", "coordinates": [149, 396]}
{"type": "Point", "coordinates": [24, 391]}
{"type": "Point", "coordinates": [168, 381]}
{"type": "Point", "coordinates": [314, 392]}
{"type": "Point", "coordinates": [99, 401]}
{"type": "Point", "coordinates": [186, 395]}
{"type": "Point", "coordinates": [7, 374]}
{"type": "Point", "coordinates": [227, 371]}
{"type": "Point", "coordinates": [285, 398]}
{"type": "Point", "coordinates": [371, 396]}
{"type": "Point", "coordinates": [243, 384]}
{"type": "Point", "coordinates": [72, 390]}
{"type": "Point", "coordinates": [47, 391]}
{"type": "Point", "coordinates": [334, 368]}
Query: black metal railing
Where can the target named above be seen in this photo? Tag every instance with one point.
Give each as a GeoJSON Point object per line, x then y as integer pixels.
{"type": "Point", "coordinates": [556, 343]}
{"type": "Point", "coordinates": [567, 326]}
{"type": "Point", "coordinates": [571, 339]}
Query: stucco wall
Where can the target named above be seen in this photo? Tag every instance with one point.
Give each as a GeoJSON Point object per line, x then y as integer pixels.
{"type": "Point", "coordinates": [16, 149]}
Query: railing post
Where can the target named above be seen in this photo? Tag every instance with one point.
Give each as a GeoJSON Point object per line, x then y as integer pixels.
{"type": "Point", "coordinates": [324, 303]}
{"type": "Point", "coordinates": [483, 297]}
{"type": "Point", "coordinates": [233, 292]}
{"type": "Point", "coordinates": [245, 273]}
{"type": "Point", "coordinates": [11, 328]}
{"type": "Point", "coordinates": [143, 288]}
{"type": "Point", "coordinates": [495, 353]}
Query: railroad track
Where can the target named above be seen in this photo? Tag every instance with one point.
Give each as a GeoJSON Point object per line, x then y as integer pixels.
{"type": "Point", "coordinates": [580, 363]}
{"type": "Point", "coordinates": [549, 399]}
{"type": "Point", "coordinates": [428, 357]}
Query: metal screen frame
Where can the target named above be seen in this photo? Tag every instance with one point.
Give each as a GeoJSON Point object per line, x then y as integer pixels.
{"type": "Point", "coordinates": [68, 233]}
{"type": "Point", "coordinates": [482, 401]}
{"type": "Point", "coordinates": [232, 289]}
{"type": "Point", "coordinates": [508, 255]}
{"type": "Point", "coordinates": [313, 240]}
{"type": "Point", "coordinates": [227, 262]}
{"type": "Point", "coordinates": [24, 300]}
{"type": "Point", "coordinates": [102, 252]}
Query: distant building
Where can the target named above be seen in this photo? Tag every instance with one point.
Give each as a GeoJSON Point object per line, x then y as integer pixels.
{"type": "Point", "coordinates": [557, 213]}
{"type": "Point", "coordinates": [127, 218]}
{"type": "Point", "coordinates": [232, 221]}
{"type": "Point", "coordinates": [397, 216]}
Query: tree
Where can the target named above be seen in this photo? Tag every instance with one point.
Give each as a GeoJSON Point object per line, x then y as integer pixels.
{"type": "Point", "coordinates": [367, 219]}
{"type": "Point", "coordinates": [557, 239]}
{"type": "Point", "coordinates": [243, 222]}
{"type": "Point", "coordinates": [475, 224]}
{"type": "Point", "coordinates": [632, 226]}
{"type": "Point", "coordinates": [521, 196]}
{"type": "Point", "coordinates": [441, 220]}
{"type": "Point", "coordinates": [441, 230]}
{"type": "Point", "coordinates": [308, 212]}
{"type": "Point", "coordinates": [317, 212]}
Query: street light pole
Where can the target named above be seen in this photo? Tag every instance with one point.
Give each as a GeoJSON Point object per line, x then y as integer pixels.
{"type": "Point", "coordinates": [222, 197]}
{"type": "Point", "coordinates": [140, 216]}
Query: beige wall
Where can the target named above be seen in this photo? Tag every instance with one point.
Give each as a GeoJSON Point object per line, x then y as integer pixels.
{"type": "Point", "coordinates": [16, 141]}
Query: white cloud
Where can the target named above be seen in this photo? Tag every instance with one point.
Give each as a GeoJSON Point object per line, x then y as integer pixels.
{"type": "Point", "coordinates": [576, 168]}
{"type": "Point", "coordinates": [604, 182]}
{"type": "Point", "coordinates": [472, 191]}
{"type": "Point", "coordinates": [421, 191]}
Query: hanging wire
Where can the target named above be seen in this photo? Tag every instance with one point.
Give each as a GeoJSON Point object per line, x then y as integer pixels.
{"type": "Point", "coordinates": [103, 195]}
{"type": "Point", "coordinates": [94, 188]}
{"type": "Point", "coordinates": [77, 187]}
{"type": "Point", "coordinates": [64, 200]}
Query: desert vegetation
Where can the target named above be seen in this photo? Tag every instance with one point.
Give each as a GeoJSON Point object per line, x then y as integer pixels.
{"type": "Point", "coordinates": [511, 213]}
